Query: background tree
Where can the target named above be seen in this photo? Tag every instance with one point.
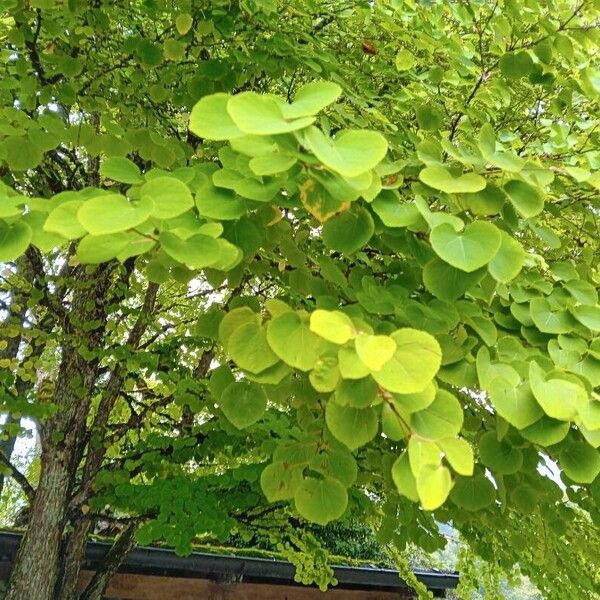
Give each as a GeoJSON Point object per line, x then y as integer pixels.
{"type": "Point", "coordinates": [268, 262]}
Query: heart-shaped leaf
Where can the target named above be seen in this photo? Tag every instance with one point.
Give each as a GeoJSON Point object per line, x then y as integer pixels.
{"type": "Point", "coordinates": [414, 364]}
{"type": "Point", "coordinates": [332, 325]}
{"type": "Point", "coordinates": [467, 250]}
{"type": "Point", "coordinates": [440, 178]}
{"type": "Point", "coordinates": [243, 403]}
{"type": "Point", "coordinates": [170, 197]}
{"type": "Point", "coordinates": [321, 500]}
{"type": "Point", "coordinates": [14, 240]}
{"type": "Point", "coordinates": [119, 168]}
{"type": "Point", "coordinates": [509, 259]}
{"type": "Point", "coordinates": [352, 426]}
{"type": "Point", "coordinates": [311, 98]}
{"type": "Point", "coordinates": [580, 462]}
{"type": "Point", "coordinates": [433, 486]}
{"type": "Point", "coordinates": [349, 231]}
{"type": "Point", "coordinates": [350, 153]}
{"type": "Point", "coordinates": [209, 119]}
{"type": "Point", "coordinates": [526, 199]}
{"type": "Point", "coordinates": [260, 114]}
{"type": "Point", "coordinates": [374, 350]}
{"type": "Point", "coordinates": [111, 213]}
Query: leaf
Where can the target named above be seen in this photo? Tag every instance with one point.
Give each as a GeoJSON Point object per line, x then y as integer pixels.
{"type": "Point", "coordinates": [440, 178]}
{"type": "Point", "coordinates": [338, 464]}
{"type": "Point", "coordinates": [249, 348]}
{"type": "Point", "coordinates": [311, 98]}
{"type": "Point", "coordinates": [350, 153]}
{"type": "Point", "coordinates": [429, 118]}
{"type": "Point", "coordinates": [468, 250]}
{"type": "Point", "coordinates": [418, 401]}
{"type": "Point", "coordinates": [279, 481]}
{"type": "Point", "coordinates": [546, 431]}
{"type": "Point", "coordinates": [351, 367]}
{"type": "Point", "coordinates": [352, 426]}
{"type": "Point", "coordinates": [319, 202]}
{"type": "Point", "coordinates": [321, 500]}
{"type": "Point", "coordinates": [589, 413]}
{"type": "Point", "coordinates": [209, 119]}
{"type": "Point", "coordinates": [524, 497]}
{"type": "Point", "coordinates": [14, 240]}
{"type": "Point", "coordinates": [515, 403]}
{"type": "Point", "coordinates": [120, 169]}
{"type": "Point", "coordinates": [112, 213]}
{"type": "Point", "coordinates": [218, 203]}
{"type": "Point", "coordinates": [174, 50]}
{"type": "Point", "coordinates": [414, 364]}
{"type": "Point", "coordinates": [63, 220]}
{"type": "Point", "coordinates": [588, 316]}
{"type": "Point", "coordinates": [183, 23]}
{"type": "Point", "coordinates": [271, 164]}
{"type": "Point", "coordinates": [393, 212]}
{"type": "Point", "coordinates": [433, 486]}
{"type": "Point", "coordinates": [196, 252]}
{"type": "Point", "coordinates": [447, 283]}
{"type": "Point", "coordinates": [560, 399]}
{"type": "Point", "coordinates": [488, 201]}
{"type": "Point", "coordinates": [11, 206]}
{"type": "Point", "coordinates": [548, 320]}
{"type": "Point", "coordinates": [473, 493]}
{"type": "Point", "coordinates": [332, 325]}
{"type": "Point", "coordinates": [524, 197]}
{"type": "Point", "coordinates": [293, 342]}
{"type": "Point", "coordinates": [404, 480]}
{"type": "Point", "coordinates": [360, 393]}
{"type": "Point", "coordinates": [405, 60]}
{"type": "Point", "coordinates": [515, 65]}
{"type": "Point", "coordinates": [392, 425]}
{"type": "Point", "coordinates": [458, 453]}
{"type": "Point", "coordinates": [580, 462]}
{"type": "Point", "coordinates": [507, 161]}
{"type": "Point", "coordinates": [442, 418]}
{"type": "Point", "coordinates": [421, 453]}
{"type": "Point", "coordinates": [96, 249]}
{"type": "Point", "coordinates": [254, 145]}
{"type": "Point", "coordinates": [169, 197]}
{"type": "Point", "coordinates": [374, 350]}
{"type": "Point", "coordinates": [499, 456]}
{"type": "Point", "coordinates": [44, 240]}
{"type": "Point", "coordinates": [509, 259]}
{"type": "Point", "coordinates": [261, 114]}
{"type": "Point", "coordinates": [349, 231]}
{"type": "Point", "coordinates": [243, 403]}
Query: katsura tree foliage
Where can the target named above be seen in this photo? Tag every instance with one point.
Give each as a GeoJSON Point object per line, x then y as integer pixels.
{"type": "Point", "coordinates": [271, 263]}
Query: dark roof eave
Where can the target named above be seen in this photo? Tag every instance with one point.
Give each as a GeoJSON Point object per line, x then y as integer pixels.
{"type": "Point", "coordinates": [219, 567]}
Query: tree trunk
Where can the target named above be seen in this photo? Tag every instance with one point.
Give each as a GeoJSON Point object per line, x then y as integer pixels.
{"type": "Point", "coordinates": [123, 544]}
{"type": "Point", "coordinates": [75, 545]}
{"type": "Point", "coordinates": [36, 564]}
{"type": "Point", "coordinates": [35, 571]}
{"type": "Point", "coordinates": [74, 554]}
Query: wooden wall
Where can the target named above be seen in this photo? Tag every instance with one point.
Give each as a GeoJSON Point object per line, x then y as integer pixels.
{"type": "Point", "coordinates": [125, 586]}
{"type": "Point", "coordinates": [149, 587]}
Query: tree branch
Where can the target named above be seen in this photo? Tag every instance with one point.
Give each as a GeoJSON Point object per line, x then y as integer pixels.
{"type": "Point", "coordinates": [23, 482]}
{"type": "Point", "coordinates": [123, 544]}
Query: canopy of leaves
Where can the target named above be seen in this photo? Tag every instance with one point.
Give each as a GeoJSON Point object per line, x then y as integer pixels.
{"type": "Point", "coordinates": [311, 261]}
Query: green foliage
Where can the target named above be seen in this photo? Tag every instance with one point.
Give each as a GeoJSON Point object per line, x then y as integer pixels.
{"type": "Point", "coordinates": [375, 267]}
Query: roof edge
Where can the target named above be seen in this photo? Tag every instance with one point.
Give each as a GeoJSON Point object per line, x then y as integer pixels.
{"type": "Point", "coordinates": [220, 567]}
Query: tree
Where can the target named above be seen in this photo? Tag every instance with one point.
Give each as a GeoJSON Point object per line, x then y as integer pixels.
{"type": "Point", "coordinates": [267, 262]}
